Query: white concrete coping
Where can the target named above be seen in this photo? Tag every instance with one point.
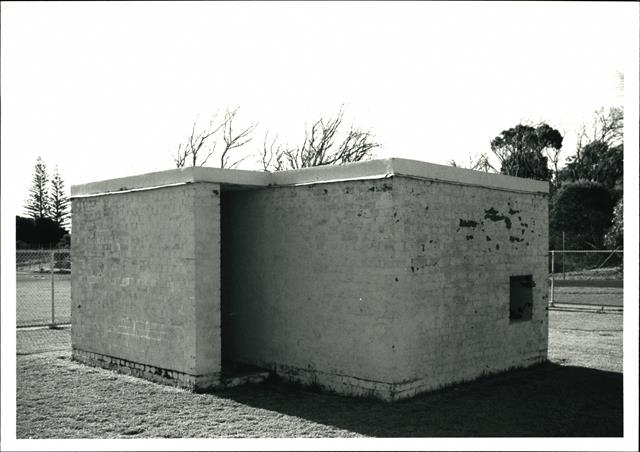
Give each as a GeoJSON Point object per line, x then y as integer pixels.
{"type": "Point", "coordinates": [172, 177]}
{"type": "Point", "coordinates": [371, 169]}
{"type": "Point", "coordinates": [443, 173]}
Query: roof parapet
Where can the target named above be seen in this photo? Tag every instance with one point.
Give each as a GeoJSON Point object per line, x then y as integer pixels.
{"type": "Point", "coordinates": [370, 169]}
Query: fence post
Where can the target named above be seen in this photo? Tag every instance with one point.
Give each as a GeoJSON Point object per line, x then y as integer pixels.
{"type": "Point", "coordinates": [552, 271]}
{"type": "Point", "coordinates": [53, 306]}
{"type": "Point", "coordinates": [564, 275]}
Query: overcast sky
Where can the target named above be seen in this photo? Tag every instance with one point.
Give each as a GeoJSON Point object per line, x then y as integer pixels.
{"type": "Point", "coordinates": [109, 90]}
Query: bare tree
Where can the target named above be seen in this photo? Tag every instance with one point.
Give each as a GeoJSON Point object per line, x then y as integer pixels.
{"type": "Point", "coordinates": [606, 127]}
{"type": "Point", "coordinates": [581, 141]}
{"type": "Point", "coordinates": [482, 163]}
{"type": "Point", "coordinates": [181, 158]}
{"type": "Point", "coordinates": [553, 157]}
{"type": "Point", "coordinates": [321, 147]}
{"type": "Point", "coordinates": [272, 155]}
{"type": "Point", "coordinates": [204, 141]}
{"type": "Point", "coordinates": [233, 140]}
{"type": "Point", "coordinates": [478, 162]}
{"type": "Point", "coordinates": [599, 152]}
{"type": "Point", "coordinates": [195, 143]}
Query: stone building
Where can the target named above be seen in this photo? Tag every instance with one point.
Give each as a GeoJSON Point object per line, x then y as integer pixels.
{"type": "Point", "coordinates": [384, 278]}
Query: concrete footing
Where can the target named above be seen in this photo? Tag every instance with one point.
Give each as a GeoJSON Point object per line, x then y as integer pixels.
{"type": "Point", "coordinates": [168, 377]}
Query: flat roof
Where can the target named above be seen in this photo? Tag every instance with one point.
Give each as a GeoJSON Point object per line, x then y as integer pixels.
{"type": "Point", "coordinates": [370, 169]}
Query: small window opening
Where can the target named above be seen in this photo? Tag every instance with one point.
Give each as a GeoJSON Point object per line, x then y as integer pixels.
{"type": "Point", "coordinates": [520, 297]}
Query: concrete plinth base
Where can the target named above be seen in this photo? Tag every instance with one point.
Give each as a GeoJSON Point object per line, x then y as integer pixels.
{"type": "Point", "coordinates": [152, 373]}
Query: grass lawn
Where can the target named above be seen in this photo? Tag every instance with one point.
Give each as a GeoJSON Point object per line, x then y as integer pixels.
{"type": "Point", "coordinates": [578, 393]}
{"type": "Point", "coordinates": [593, 296]}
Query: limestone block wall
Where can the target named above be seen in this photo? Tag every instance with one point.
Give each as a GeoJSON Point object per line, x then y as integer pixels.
{"type": "Point", "coordinates": [145, 282]}
{"type": "Point", "coordinates": [384, 278]}
{"type": "Point", "coordinates": [386, 287]}
{"type": "Point", "coordinates": [308, 283]}
{"type": "Point", "coordinates": [460, 246]}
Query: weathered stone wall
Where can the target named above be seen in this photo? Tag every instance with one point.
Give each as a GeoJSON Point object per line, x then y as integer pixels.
{"type": "Point", "coordinates": [308, 283]}
{"type": "Point", "coordinates": [384, 287]}
{"type": "Point", "coordinates": [145, 281]}
{"type": "Point", "coordinates": [460, 245]}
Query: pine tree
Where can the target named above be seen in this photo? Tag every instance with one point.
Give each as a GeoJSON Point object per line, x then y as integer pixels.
{"type": "Point", "coordinates": [38, 202]}
{"type": "Point", "coordinates": [58, 201]}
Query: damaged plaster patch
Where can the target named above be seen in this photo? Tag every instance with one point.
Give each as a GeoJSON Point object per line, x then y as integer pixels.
{"type": "Point", "coordinates": [493, 215]}
{"type": "Point", "coordinates": [468, 223]}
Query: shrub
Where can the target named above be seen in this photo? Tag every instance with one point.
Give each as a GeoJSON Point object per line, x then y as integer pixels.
{"type": "Point", "coordinates": [583, 211]}
{"type": "Point", "coordinates": [38, 233]}
{"type": "Point", "coordinates": [614, 238]}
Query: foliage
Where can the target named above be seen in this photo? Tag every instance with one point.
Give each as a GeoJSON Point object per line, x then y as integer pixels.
{"type": "Point", "coordinates": [38, 232]}
{"type": "Point", "coordinates": [20, 245]}
{"type": "Point", "coordinates": [48, 211]}
{"type": "Point", "coordinates": [597, 162]}
{"type": "Point", "coordinates": [38, 201]}
{"type": "Point", "coordinates": [520, 150]}
{"type": "Point", "coordinates": [58, 201]}
{"type": "Point", "coordinates": [582, 210]}
{"type": "Point", "coordinates": [599, 159]}
{"type": "Point", "coordinates": [599, 151]}
{"type": "Point", "coordinates": [321, 146]}
{"type": "Point", "coordinates": [614, 238]}
{"type": "Point", "coordinates": [531, 165]}
{"type": "Point", "coordinates": [65, 242]}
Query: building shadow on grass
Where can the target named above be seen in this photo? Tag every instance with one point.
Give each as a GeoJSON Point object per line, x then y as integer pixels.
{"type": "Point", "coordinates": [547, 400]}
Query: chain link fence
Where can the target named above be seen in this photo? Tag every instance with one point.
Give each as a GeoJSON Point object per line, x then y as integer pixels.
{"type": "Point", "coordinates": [592, 278]}
{"type": "Point", "coordinates": [43, 287]}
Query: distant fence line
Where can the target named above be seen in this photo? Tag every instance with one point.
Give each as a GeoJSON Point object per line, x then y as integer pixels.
{"type": "Point", "coordinates": [43, 287]}
{"type": "Point", "coordinates": [586, 277]}
{"type": "Point", "coordinates": [577, 277]}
